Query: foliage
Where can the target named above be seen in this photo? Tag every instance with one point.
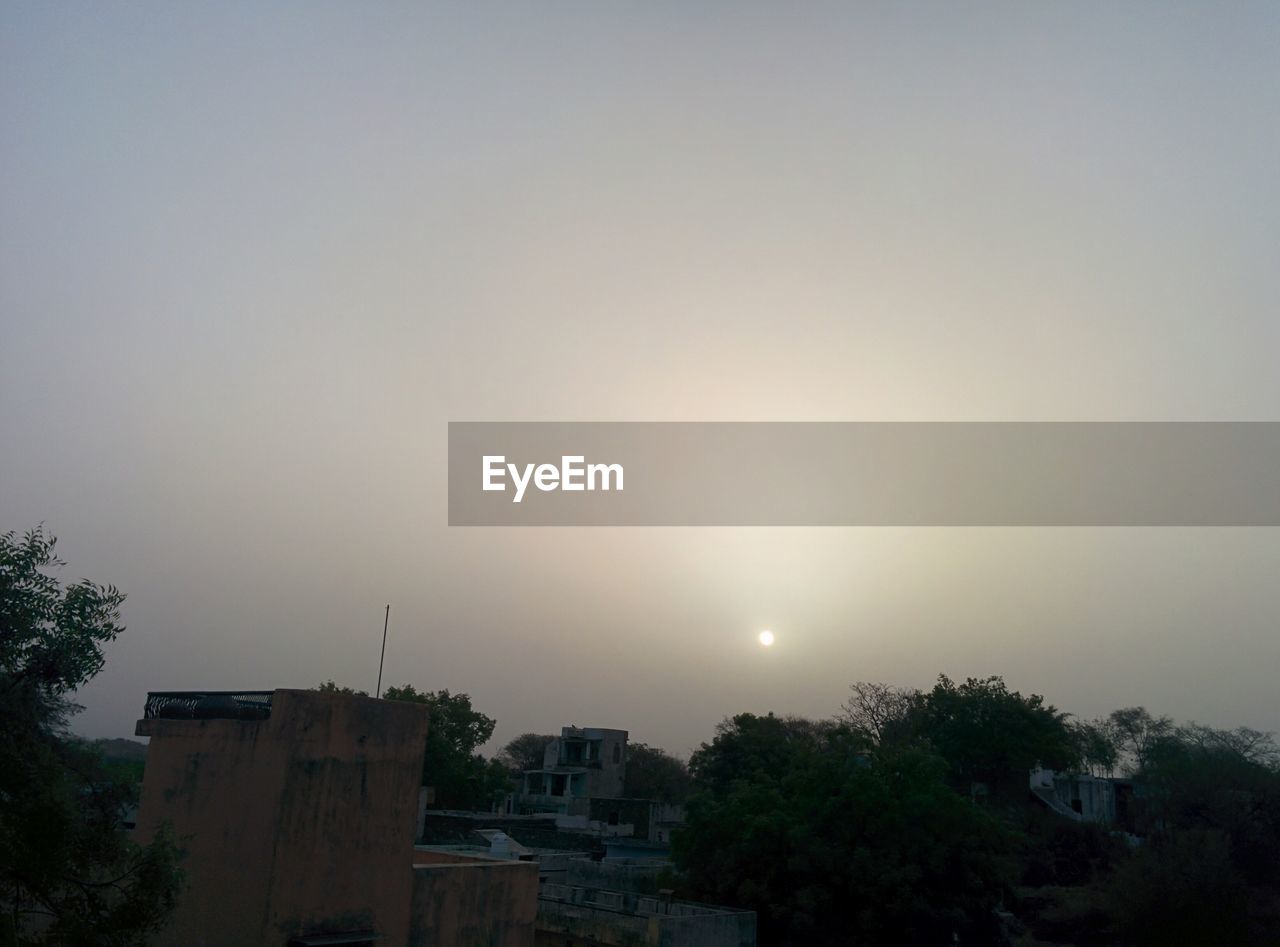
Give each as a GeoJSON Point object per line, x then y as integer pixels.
{"type": "Point", "coordinates": [496, 781]}
{"type": "Point", "coordinates": [748, 746]}
{"type": "Point", "coordinates": [1180, 889]}
{"type": "Point", "coordinates": [524, 752]}
{"type": "Point", "coordinates": [333, 687]}
{"type": "Point", "coordinates": [1190, 787]}
{"type": "Point", "coordinates": [652, 773]}
{"type": "Point", "coordinates": [1136, 733]}
{"type": "Point", "coordinates": [1243, 743]}
{"type": "Point", "coordinates": [990, 734]}
{"type": "Point", "coordinates": [881, 711]}
{"type": "Point", "coordinates": [1207, 807]}
{"type": "Point", "coordinates": [455, 730]}
{"type": "Point", "coordinates": [1058, 851]}
{"type": "Point", "coordinates": [830, 845]}
{"type": "Point", "coordinates": [1095, 746]}
{"type": "Point", "coordinates": [67, 869]}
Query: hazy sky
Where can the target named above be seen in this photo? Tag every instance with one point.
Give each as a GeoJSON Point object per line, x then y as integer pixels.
{"type": "Point", "coordinates": [254, 257]}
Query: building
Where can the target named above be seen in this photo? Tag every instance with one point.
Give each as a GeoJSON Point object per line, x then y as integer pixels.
{"type": "Point", "coordinates": [1084, 798]}
{"type": "Point", "coordinates": [581, 765]}
{"type": "Point", "coordinates": [636, 818]}
{"type": "Point", "coordinates": [297, 810]}
{"type": "Point", "coordinates": [573, 915]}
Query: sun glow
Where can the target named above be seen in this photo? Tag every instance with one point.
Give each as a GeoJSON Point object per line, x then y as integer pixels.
{"type": "Point", "coordinates": [766, 638]}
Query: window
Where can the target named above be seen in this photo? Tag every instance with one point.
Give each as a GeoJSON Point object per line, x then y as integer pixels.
{"type": "Point", "coordinates": [617, 753]}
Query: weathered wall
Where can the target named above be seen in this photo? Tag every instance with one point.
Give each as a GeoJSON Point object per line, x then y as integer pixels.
{"type": "Point", "coordinates": [610, 779]}
{"type": "Point", "coordinates": [302, 822]}
{"type": "Point", "coordinates": [1097, 797]}
{"type": "Point", "coordinates": [614, 876]}
{"type": "Point", "coordinates": [219, 782]}
{"type": "Point", "coordinates": [714, 930]}
{"type": "Point", "coordinates": [561, 922]}
{"type": "Point", "coordinates": [347, 815]}
{"type": "Point", "coordinates": [618, 919]}
{"type": "Point", "coordinates": [466, 901]}
{"type": "Point", "coordinates": [628, 812]}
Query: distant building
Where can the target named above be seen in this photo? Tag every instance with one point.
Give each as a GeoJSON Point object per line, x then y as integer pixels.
{"type": "Point", "coordinates": [571, 915]}
{"type": "Point", "coordinates": [297, 810]}
{"type": "Point", "coordinates": [1084, 798]}
{"type": "Point", "coordinates": [636, 818]}
{"type": "Point", "coordinates": [615, 901]}
{"type": "Point", "coordinates": [581, 765]}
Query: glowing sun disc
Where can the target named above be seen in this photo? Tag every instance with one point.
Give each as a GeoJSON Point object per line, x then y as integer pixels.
{"type": "Point", "coordinates": [766, 638]}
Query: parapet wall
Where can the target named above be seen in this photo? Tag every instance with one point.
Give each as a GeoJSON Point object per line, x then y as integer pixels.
{"type": "Point", "coordinates": [300, 823]}
{"type": "Point", "coordinates": [465, 901]}
{"type": "Point", "coordinates": [622, 919]}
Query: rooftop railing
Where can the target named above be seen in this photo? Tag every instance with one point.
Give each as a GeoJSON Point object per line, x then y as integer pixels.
{"type": "Point", "coordinates": [208, 705]}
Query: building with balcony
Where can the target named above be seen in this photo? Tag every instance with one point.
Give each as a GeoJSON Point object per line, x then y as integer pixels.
{"type": "Point", "coordinates": [582, 764]}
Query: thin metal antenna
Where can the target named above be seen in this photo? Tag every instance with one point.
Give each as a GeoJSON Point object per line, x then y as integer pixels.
{"type": "Point", "coordinates": [385, 621]}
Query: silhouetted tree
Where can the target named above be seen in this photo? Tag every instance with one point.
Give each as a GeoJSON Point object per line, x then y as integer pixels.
{"type": "Point", "coordinates": [1095, 746]}
{"type": "Point", "coordinates": [461, 777]}
{"type": "Point", "coordinates": [68, 872]}
{"type": "Point", "coordinates": [990, 734]}
{"type": "Point", "coordinates": [332, 687]}
{"type": "Point", "coordinates": [524, 752]}
{"type": "Point", "coordinates": [1136, 732]}
{"type": "Point", "coordinates": [1244, 743]}
{"type": "Point", "coordinates": [653, 773]}
{"type": "Point", "coordinates": [881, 711]}
{"type": "Point", "coordinates": [834, 844]}
{"type": "Point", "coordinates": [1181, 888]}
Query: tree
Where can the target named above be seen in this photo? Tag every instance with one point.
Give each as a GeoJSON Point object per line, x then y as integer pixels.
{"type": "Point", "coordinates": [455, 730]}
{"type": "Point", "coordinates": [881, 711]}
{"type": "Point", "coordinates": [990, 734]}
{"type": "Point", "coordinates": [1181, 889]}
{"type": "Point", "coordinates": [748, 745]}
{"type": "Point", "coordinates": [1136, 733]}
{"type": "Point", "coordinates": [833, 843]}
{"type": "Point", "coordinates": [524, 752]}
{"type": "Point", "coordinates": [1245, 743]}
{"type": "Point", "coordinates": [333, 687]}
{"type": "Point", "coordinates": [1095, 746]}
{"type": "Point", "coordinates": [653, 773]}
{"type": "Point", "coordinates": [68, 872]}
{"type": "Point", "coordinates": [1192, 782]}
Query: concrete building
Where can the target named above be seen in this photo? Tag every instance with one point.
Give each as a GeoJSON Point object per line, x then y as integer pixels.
{"type": "Point", "coordinates": [1084, 798]}
{"type": "Point", "coordinates": [581, 765]}
{"type": "Point", "coordinates": [581, 916]}
{"type": "Point", "coordinates": [616, 902]}
{"type": "Point", "coordinates": [297, 810]}
{"type": "Point", "coordinates": [636, 818]}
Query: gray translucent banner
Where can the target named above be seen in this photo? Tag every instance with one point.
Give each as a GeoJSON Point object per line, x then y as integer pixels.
{"type": "Point", "coordinates": [864, 474]}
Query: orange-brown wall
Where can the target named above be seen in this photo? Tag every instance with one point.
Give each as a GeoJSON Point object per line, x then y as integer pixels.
{"type": "Point", "coordinates": [463, 901]}
{"type": "Point", "coordinates": [300, 823]}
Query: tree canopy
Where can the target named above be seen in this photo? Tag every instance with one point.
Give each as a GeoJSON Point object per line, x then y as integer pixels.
{"type": "Point", "coordinates": [72, 873]}
{"type": "Point", "coordinates": [653, 773]}
{"type": "Point", "coordinates": [992, 735]}
{"type": "Point", "coordinates": [451, 763]}
{"type": "Point", "coordinates": [832, 842]}
{"type": "Point", "coordinates": [524, 752]}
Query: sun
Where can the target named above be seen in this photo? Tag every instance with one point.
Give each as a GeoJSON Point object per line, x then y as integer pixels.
{"type": "Point", "coordinates": [766, 638]}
